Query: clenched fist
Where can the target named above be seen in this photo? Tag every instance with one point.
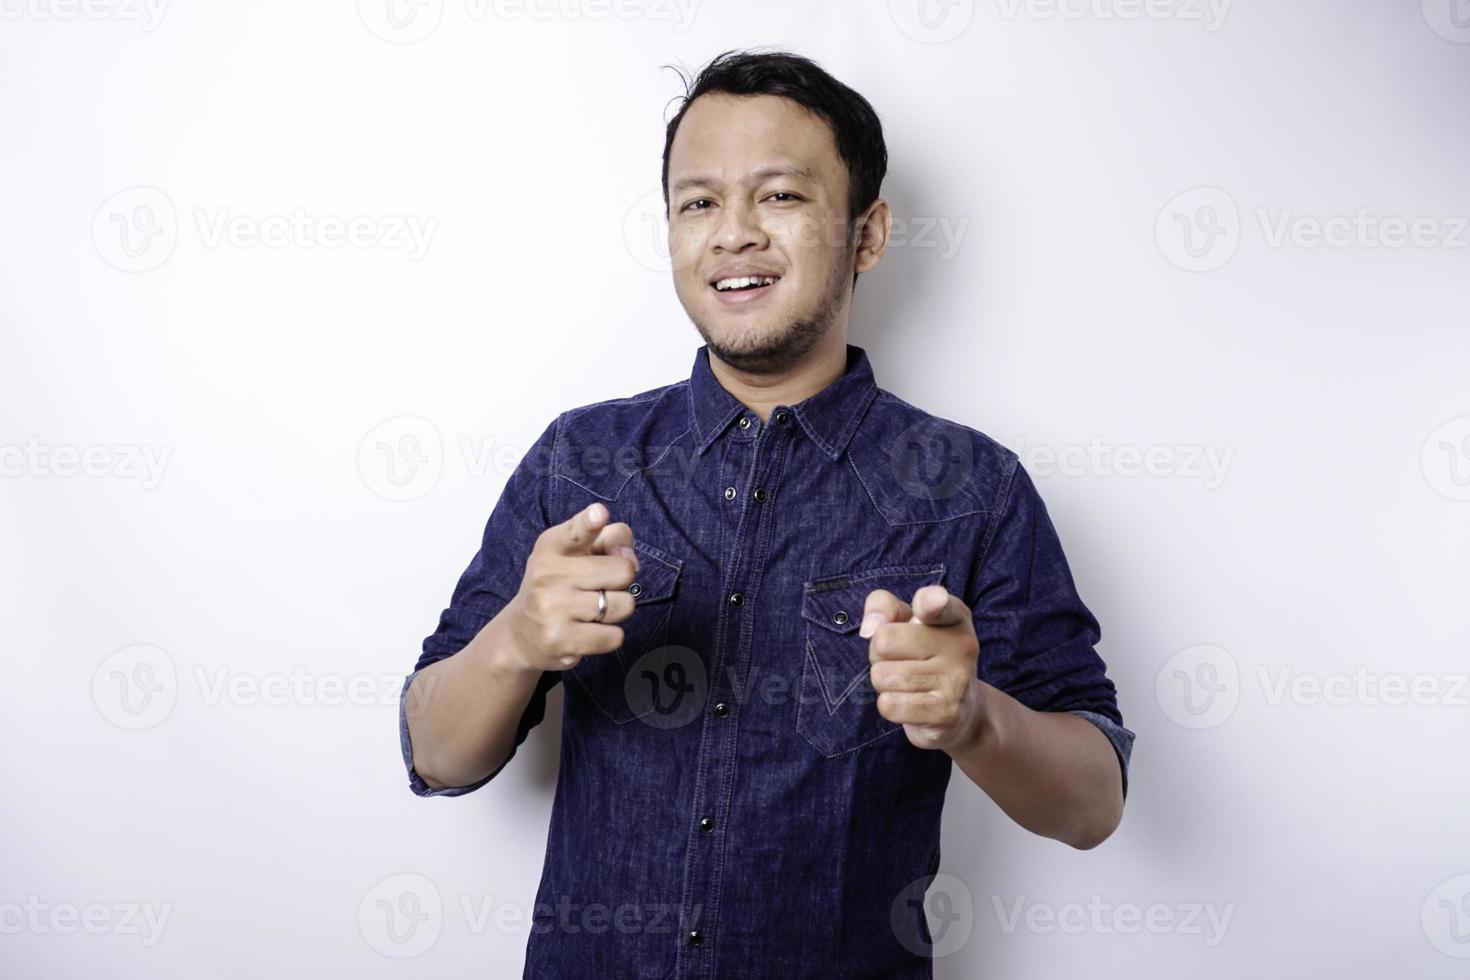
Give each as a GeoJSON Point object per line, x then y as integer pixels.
{"type": "Point", "coordinates": [922, 662]}
{"type": "Point", "coordinates": [550, 620]}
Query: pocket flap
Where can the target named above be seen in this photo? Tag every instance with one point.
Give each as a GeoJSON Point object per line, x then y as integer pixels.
{"type": "Point", "coordinates": [658, 574]}
{"type": "Point", "coordinates": [835, 602]}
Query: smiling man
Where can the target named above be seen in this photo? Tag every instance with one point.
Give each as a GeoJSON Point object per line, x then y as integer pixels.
{"type": "Point", "coordinates": [786, 603]}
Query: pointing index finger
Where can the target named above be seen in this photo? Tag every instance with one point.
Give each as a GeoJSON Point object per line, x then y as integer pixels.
{"type": "Point", "coordinates": [577, 533]}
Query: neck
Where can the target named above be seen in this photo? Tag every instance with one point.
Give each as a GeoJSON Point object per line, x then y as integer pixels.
{"type": "Point", "coordinates": [760, 393]}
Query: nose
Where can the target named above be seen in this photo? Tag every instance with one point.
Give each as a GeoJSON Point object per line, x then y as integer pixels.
{"type": "Point", "coordinates": [738, 227]}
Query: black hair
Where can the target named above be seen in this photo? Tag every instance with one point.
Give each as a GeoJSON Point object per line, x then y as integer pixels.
{"type": "Point", "coordinates": [852, 119]}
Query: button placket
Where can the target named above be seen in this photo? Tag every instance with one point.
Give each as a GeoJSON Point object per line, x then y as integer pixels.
{"type": "Point", "coordinates": [714, 770]}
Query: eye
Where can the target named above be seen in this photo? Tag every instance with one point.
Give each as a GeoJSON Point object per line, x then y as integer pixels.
{"type": "Point", "coordinates": [701, 200]}
{"type": "Point", "coordinates": [787, 194]}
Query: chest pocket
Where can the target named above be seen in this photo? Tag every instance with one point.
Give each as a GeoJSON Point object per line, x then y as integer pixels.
{"type": "Point", "coordinates": [604, 677]}
{"type": "Point", "coordinates": [837, 710]}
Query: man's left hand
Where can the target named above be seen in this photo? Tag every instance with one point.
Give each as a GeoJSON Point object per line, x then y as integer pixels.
{"type": "Point", "coordinates": [922, 662]}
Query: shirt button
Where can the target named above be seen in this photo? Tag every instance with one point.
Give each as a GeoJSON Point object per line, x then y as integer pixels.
{"type": "Point", "coordinates": [839, 617]}
{"type": "Point", "coordinates": [759, 493]}
{"type": "Point", "coordinates": [721, 710]}
{"type": "Point", "coordinates": [729, 493]}
{"type": "Point", "coordinates": [745, 421]}
{"type": "Point", "coordinates": [695, 938]}
{"type": "Point", "coordinates": [706, 825]}
{"type": "Point", "coordinates": [782, 416]}
{"type": "Point", "coordinates": [736, 599]}
{"type": "Point", "coordinates": [635, 590]}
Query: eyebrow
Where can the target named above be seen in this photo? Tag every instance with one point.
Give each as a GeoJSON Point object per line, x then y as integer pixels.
{"type": "Point", "coordinates": [765, 173]}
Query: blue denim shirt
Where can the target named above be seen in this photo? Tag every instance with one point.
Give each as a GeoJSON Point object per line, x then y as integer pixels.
{"type": "Point", "coordinates": [730, 803]}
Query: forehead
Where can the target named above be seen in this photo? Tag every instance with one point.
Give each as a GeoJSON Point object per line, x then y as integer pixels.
{"type": "Point", "coordinates": [727, 136]}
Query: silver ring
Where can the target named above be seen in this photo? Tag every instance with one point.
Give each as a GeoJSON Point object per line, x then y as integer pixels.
{"type": "Point", "coordinates": [601, 605]}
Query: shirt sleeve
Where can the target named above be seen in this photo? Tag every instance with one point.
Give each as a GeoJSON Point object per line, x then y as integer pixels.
{"type": "Point", "coordinates": [1037, 638]}
{"type": "Point", "coordinates": [484, 588]}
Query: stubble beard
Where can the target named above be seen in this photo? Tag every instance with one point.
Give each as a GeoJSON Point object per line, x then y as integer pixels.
{"type": "Point", "coordinates": [777, 350]}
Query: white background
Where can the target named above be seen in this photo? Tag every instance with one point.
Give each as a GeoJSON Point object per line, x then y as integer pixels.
{"type": "Point", "coordinates": [202, 656]}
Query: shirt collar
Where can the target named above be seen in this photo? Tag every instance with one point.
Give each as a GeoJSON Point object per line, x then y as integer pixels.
{"type": "Point", "coordinates": [829, 416]}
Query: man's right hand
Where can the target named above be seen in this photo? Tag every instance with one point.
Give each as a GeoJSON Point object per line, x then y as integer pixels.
{"type": "Point", "coordinates": [549, 622]}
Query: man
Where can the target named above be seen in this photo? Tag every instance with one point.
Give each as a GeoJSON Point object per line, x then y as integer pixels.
{"type": "Point", "coordinates": [783, 601]}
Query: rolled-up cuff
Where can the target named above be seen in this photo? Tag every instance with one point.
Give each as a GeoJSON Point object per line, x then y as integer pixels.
{"type": "Point", "coordinates": [415, 781]}
{"type": "Point", "coordinates": [1121, 738]}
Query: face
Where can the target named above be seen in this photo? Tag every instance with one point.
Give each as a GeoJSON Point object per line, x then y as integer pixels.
{"type": "Point", "coordinates": [758, 192]}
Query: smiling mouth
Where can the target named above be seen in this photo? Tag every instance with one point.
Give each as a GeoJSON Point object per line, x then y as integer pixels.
{"type": "Point", "coordinates": [744, 289]}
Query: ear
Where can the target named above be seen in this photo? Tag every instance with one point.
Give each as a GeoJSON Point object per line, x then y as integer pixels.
{"type": "Point", "coordinates": [872, 235]}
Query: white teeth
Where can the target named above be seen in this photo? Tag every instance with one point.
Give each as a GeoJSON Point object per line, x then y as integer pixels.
{"type": "Point", "coordinates": [727, 284]}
